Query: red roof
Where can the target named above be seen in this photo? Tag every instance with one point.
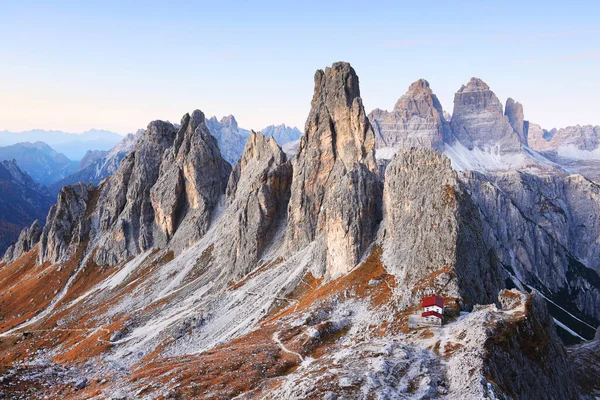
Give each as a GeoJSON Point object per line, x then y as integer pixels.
{"type": "Point", "coordinates": [433, 301]}
{"type": "Point", "coordinates": [428, 313]}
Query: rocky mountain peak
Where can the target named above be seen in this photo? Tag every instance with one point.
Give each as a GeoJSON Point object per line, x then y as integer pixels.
{"type": "Point", "coordinates": [478, 119]}
{"type": "Point", "coordinates": [416, 121]}
{"type": "Point", "coordinates": [474, 85]}
{"type": "Point", "coordinates": [335, 190]}
{"type": "Point", "coordinates": [258, 193]}
{"type": "Point", "coordinates": [416, 89]}
{"type": "Point", "coordinates": [229, 121]}
{"type": "Point", "coordinates": [336, 99]}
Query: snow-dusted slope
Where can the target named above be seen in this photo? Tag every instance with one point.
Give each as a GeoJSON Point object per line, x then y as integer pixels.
{"type": "Point", "coordinates": [179, 277]}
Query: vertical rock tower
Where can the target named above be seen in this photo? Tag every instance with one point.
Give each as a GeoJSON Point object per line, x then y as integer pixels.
{"type": "Point", "coordinates": [335, 192]}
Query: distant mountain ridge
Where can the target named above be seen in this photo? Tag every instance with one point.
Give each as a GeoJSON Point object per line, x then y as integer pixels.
{"type": "Point", "coordinates": [73, 145]}
{"type": "Point", "coordinates": [98, 165]}
{"type": "Point", "coordinates": [22, 201]}
{"type": "Point", "coordinates": [282, 133]}
{"type": "Point", "coordinates": [40, 161]}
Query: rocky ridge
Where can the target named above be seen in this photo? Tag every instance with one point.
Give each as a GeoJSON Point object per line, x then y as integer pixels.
{"type": "Point", "coordinates": [230, 137]}
{"type": "Point", "coordinates": [307, 270]}
{"type": "Point", "coordinates": [99, 164]}
{"type": "Point", "coordinates": [40, 161]}
{"type": "Point", "coordinates": [22, 201]}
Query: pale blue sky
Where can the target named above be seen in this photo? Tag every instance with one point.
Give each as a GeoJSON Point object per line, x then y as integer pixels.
{"type": "Point", "coordinates": [75, 65]}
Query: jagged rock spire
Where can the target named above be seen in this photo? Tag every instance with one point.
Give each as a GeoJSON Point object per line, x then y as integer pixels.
{"type": "Point", "coordinates": [258, 193]}
{"type": "Point", "coordinates": [163, 193]}
{"type": "Point", "coordinates": [335, 191]}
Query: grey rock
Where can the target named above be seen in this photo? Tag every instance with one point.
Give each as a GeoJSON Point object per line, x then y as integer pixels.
{"type": "Point", "coordinates": [516, 117]}
{"type": "Point", "coordinates": [282, 133]}
{"type": "Point", "coordinates": [478, 119]}
{"type": "Point", "coordinates": [432, 229]}
{"type": "Point", "coordinates": [335, 189]}
{"type": "Point", "coordinates": [230, 137]}
{"type": "Point", "coordinates": [542, 230]}
{"type": "Point", "coordinates": [585, 359]}
{"type": "Point", "coordinates": [416, 121]}
{"type": "Point", "coordinates": [530, 348]}
{"type": "Point", "coordinates": [81, 383]}
{"type": "Point", "coordinates": [258, 193]}
{"type": "Point", "coordinates": [115, 336]}
{"type": "Point", "coordinates": [586, 138]}
{"type": "Point", "coordinates": [28, 238]}
{"type": "Point", "coordinates": [66, 225]}
{"type": "Point", "coordinates": [163, 192]}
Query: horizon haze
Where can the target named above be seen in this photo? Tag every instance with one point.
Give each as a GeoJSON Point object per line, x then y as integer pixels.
{"type": "Point", "coordinates": [73, 66]}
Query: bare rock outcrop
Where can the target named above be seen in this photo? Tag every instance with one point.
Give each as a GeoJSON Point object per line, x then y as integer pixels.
{"type": "Point", "coordinates": [433, 236]}
{"type": "Point", "coordinates": [258, 193]}
{"type": "Point", "coordinates": [416, 121]}
{"type": "Point", "coordinates": [479, 121]}
{"type": "Point", "coordinates": [525, 359]}
{"type": "Point", "coordinates": [230, 137]}
{"type": "Point", "coordinates": [335, 189]}
{"type": "Point", "coordinates": [28, 238]}
{"type": "Point", "coordinates": [542, 232]}
{"type": "Point", "coordinates": [66, 226]}
{"type": "Point", "coordinates": [585, 359]}
{"type": "Point", "coordinates": [516, 117]}
{"type": "Point", "coordinates": [163, 192]}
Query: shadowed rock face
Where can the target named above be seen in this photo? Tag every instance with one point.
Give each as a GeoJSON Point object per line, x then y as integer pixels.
{"type": "Point", "coordinates": [258, 193]}
{"type": "Point", "coordinates": [433, 237]}
{"type": "Point", "coordinates": [478, 119]}
{"type": "Point", "coordinates": [524, 357]}
{"type": "Point", "coordinates": [542, 230]}
{"type": "Point", "coordinates": [22, 201]}
{"type": "Point", "coordinates": [66, 225]}
{"type": "Point", "coordinates": [173, 180]}
{"type": "Point", "coordinates": [416, 121]}
{"type": "Point", "coordinates": [335, 189]}
{"type": "Point", "coordinates": [514, 112]}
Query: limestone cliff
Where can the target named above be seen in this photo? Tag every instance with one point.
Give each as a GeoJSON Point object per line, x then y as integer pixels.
{"type": "Point", "coordinates": [335, 190]}
{"type": "Point", "coordinates": [433, 236]}
{"type": "Point", "coordinates": [417, 120]}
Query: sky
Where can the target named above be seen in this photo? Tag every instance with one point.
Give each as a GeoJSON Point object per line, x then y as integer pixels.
{"type": "Point", "coordinates": [117, 65]}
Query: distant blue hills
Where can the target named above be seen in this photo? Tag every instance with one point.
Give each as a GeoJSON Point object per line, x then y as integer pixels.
{"type": "Point", "coordinates": [73, 145]}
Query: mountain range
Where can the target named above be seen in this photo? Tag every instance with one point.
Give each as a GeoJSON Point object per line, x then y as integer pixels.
{"type": "Point", "coordinates": [40, 161]}
{"type": "Point", "coordinates": [181, 275]}
{"type": "Point", "coordinates": [72, 145]}
{"type": "Point", "coordinates": [22, 201]}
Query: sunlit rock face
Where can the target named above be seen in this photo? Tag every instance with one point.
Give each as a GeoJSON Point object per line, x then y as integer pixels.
{"type": "Point", "coordinates": [479, 121]}
{"type": "Point", "coordinates": [335, 189]}
{"type": "Point", "coordinates": [417, 120]}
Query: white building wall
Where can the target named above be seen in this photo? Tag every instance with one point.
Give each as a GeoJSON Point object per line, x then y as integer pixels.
{"type": "Point", "coordinates": [437, 309]}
